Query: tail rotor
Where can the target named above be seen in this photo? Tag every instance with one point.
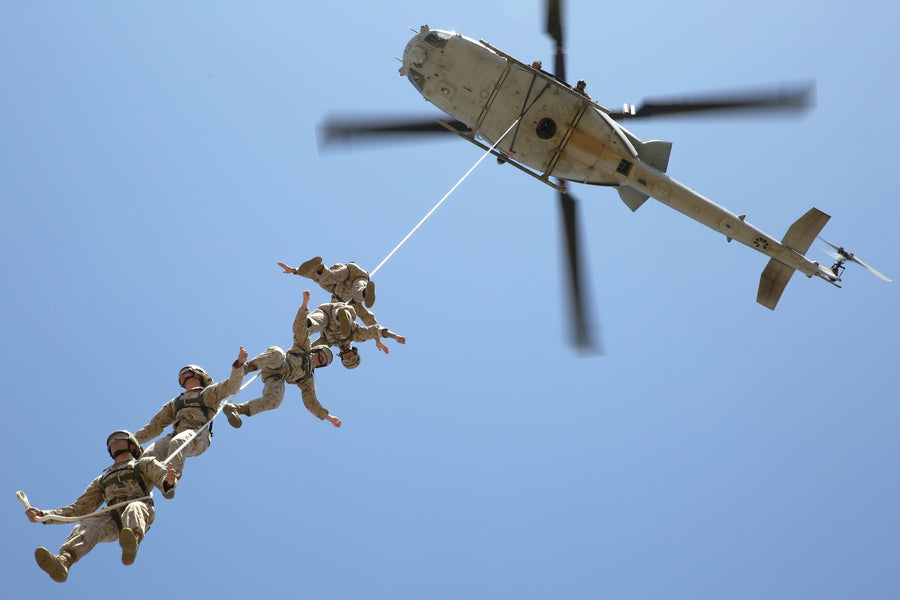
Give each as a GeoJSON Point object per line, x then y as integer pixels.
{"type": "Point", "coordinates": [841, 256]}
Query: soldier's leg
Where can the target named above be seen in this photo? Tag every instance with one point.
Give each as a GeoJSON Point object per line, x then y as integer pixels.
{"type": "Point", "coordinates": [136, 520]}
{"type": "Point", "coordinates": [316, 321]}
{"type": "Point", "coordinates": [273, 394]}
{"type": "Point", "coordinates": [84, 536]}
{"type": "Point", "coordinates": [311, 268]}
{"type": "Point", "coordinates": [271, 361]}
{"type": "Point", "coordinates": [344, 317]}
{"type": "Point", "coordinates": [270, 358]}
{"type": "Point", "coordinates": [195, 447]}
{"type": "Point", "coordinates": [55, 565]}
{"type": "Point", "coordinates": [159, 449]}
{"type": "Point", "coordinates": [328, 276]}
{"type": "Point", "coordinates": [363, 291]}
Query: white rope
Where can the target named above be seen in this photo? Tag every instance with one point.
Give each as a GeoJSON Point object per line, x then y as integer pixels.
{"type": "Point", "coordinates": [409, 235]}
{"type": "Point", "coordinates": [58, 519]}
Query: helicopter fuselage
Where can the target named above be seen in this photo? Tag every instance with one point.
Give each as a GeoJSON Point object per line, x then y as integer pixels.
{"type": "Point", "coordinates": [561, 133]}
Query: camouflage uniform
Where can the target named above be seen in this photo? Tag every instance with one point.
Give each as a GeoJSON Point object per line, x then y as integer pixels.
{"type": "Point", "coordinates": [190, 410]}
{"type": "Point", "coordinates": [123, 481]}
{"type": "Point", "coordinates": [279, 367]}
{"type": "Point", "coordinates": [324, 321]}
{"type": "Point", "coordinates": [346, 283]}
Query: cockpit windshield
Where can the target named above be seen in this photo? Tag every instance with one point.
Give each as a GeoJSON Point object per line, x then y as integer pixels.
{"type": "Point", "coordinates": [417, 79]}
{"type": "Point", "coordinates": [438, 39]}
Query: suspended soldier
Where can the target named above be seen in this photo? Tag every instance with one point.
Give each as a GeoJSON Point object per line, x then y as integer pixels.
{"type": "Point", "coordinates": [296, 366]}
{"type": "Point", "coordinates": [348, 283]}
{"type": "Point", "coordinates": [189, 412]}
{"type": "Point", "coordinates": [335, 322]}
{"type": "Point", "coordinates": [126, 484]}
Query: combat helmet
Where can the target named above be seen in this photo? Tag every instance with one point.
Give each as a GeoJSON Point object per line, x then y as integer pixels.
{"type": "Point", "coordinates": [350, 357]}
{"type": "Point", "coordinates": [205, 379]}
{"type": "Point", "coordinates": [123, 434]}
{"type": "Point", "coordinates": [329, 355]}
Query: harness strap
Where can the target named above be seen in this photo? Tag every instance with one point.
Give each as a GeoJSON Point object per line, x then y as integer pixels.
{"type": "Point", "coordinates": [120, 476]}
{"type": "Point", "coordinates": [183, 403]}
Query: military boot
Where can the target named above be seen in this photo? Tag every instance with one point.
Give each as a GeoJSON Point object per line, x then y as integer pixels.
{"type": "Point", "coordinates": [55, 565]}
{"type": "Point", "coordinates": [369, 294]}
{"type": "Point", "coordinates": [129, 543]}
{"type": "Point", "coordinates": [345, 321]}
{"type": "Point", "coordinates": [310, 268]}
{"type": "Point", "coordinates": [231, 413]}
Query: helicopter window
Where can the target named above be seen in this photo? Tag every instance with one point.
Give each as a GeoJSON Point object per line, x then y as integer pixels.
{"type": "Point", "coordinates": [546, 128]}
{"type": "Point", "coordinates": [417, 79]}
{"type": "Point", "coordinates": [624, 167]}
{"type": "Point", "coordinates": [438, 39]}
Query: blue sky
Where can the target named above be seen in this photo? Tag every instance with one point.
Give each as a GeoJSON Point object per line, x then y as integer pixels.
{"type": "Point", "coordinates": [159, 160]}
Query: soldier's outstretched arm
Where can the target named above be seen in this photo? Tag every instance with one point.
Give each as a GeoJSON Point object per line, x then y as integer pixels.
{"type": "Point", "coordinates": [161, 420]}
{"type": "Point", "coordinates": [287, 269]}
{"type": "Point", "coordinates": [300, 328]}
{"type": "Point", "coordinates": [217, 391]}
{"type": "Point", "coordinates": [398, 338]}
{"type": "Point", "coordinates": [311, 402]}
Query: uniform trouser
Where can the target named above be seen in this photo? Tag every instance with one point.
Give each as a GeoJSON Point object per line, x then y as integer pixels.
{"type": "Point", "coordinates": [271, 362]}
{"type": "Point", "coordinates": [164, 446]}
{"type": "Point", "coordinates": [137, 516]}
{"type": "Point", "coordinates": [329, 278]}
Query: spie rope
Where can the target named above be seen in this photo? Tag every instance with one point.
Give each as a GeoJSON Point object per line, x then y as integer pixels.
{"type": "Point", "coordinates": [425, 218]}
{"type": "Point", "coordinates": [57, 519]}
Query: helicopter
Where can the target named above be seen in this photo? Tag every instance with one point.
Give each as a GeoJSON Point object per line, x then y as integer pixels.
{"type": "Point", "coordinates": [536, 122]}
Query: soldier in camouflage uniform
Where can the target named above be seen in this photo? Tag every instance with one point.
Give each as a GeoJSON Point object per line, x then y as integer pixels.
{"type": "Point", "coordinates": [337, 326]}
{"type": "Point", "coordinates": [192, 409]}
{"type": "Point", "coordinates": [345, 282]}
{"type": "Point", "coordinates": [129, 479]}
{"type": "Point", "coordinates": [296, 366]}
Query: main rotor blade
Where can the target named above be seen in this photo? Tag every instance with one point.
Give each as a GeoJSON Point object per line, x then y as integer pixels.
{"type": "Point", "coordinates": [334, 130]}
{"type": "Point", "coordinates": [582, 335]}
{"type": "Point", "coordinates": [794, 98]}
{"type": "Point", "coordinates": [555, 30]}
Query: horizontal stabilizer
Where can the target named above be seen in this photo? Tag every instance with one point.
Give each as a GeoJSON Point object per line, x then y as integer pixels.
{"type": "Point", "coordinates": [631, 197]}
{"type": "Point", "coordinates": [800, 235]}
{"type": "Point", "coordinates": [656, 154]}
{"type": "Point", "coordinates": [772, 282]}
{"type": "Point", "coordinates": [799, 238]}
{"type": "Point", "coordinates": [652, 152]}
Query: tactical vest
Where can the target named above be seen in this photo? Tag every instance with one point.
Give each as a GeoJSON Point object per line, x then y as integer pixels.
{"type": "Point", "coordinates": [182, 403]}
{"type": "Point", "coordinates": [304, 372]}
{"type": "Point", "coordinates": [122, 483]}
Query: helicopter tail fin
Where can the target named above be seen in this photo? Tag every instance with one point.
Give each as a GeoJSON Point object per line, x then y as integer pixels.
{"type": "Point", "coordinates": [799, 238]}
{"type": "Point", "coordinates": [631, 197]}
{"type": "Point", "coordinates": [655, 153]}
